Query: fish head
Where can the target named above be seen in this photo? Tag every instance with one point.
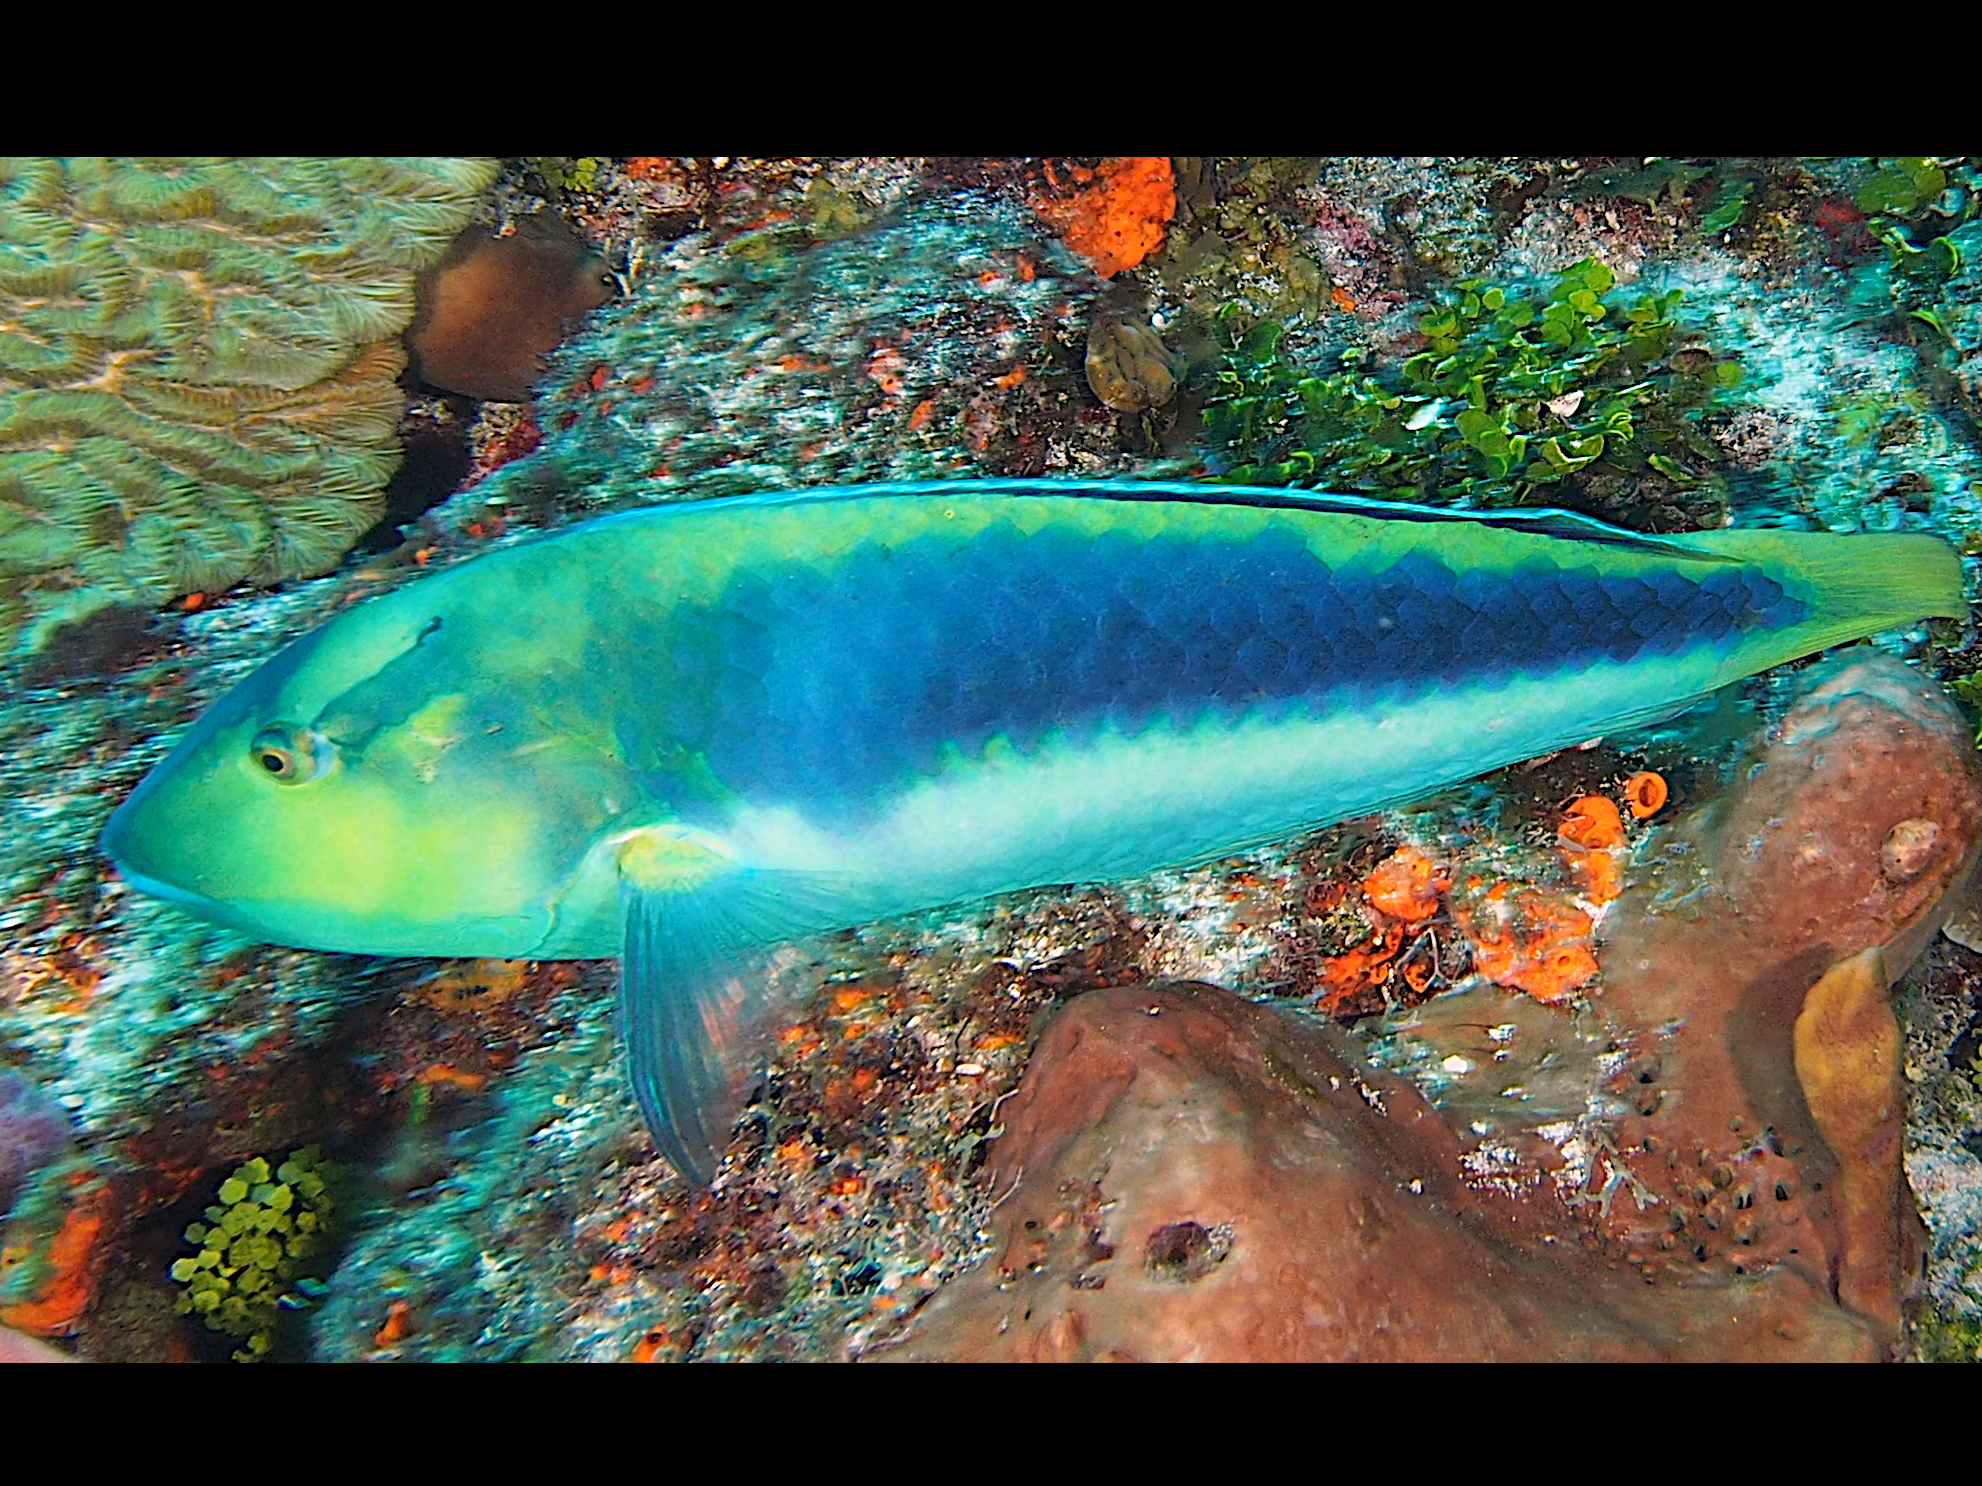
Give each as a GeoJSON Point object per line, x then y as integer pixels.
{"type": "Point", "coordinates": [382, 787]}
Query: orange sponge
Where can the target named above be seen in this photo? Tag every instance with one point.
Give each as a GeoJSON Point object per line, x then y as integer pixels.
{"type": "Point", "coordinates": [1117, 217]}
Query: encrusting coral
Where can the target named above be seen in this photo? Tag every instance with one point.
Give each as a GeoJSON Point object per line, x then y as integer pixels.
{"type": "Point", "coordinates": [1128, 366]}
{"type": "Point", "coordinates": [197, 368]}
{"type": "Point", "coordinates": [1119, 211]}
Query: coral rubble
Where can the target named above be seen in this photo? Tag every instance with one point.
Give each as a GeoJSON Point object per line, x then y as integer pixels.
{"type": "Point", "coordinates": [771, 358]}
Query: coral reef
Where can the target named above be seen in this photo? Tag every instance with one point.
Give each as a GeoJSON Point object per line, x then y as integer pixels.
{"type": "Point", "coordinates": [1186, 1175]}
{"type": "Point", "coordinates": [1530, 930]}
{"type": "Point", "coordinates": [197, 368]}
{"type": "Point", "coordinates": [1241, 246]}
{"type": "Point", "coordinates": [503, 1204]}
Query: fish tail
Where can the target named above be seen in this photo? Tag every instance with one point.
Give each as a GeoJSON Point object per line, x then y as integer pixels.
{"type": "Point", "coordinates": [1846, 587]}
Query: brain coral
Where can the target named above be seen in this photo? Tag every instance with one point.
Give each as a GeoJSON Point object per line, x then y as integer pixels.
{"type": "Point", "coordinates": [197, 365]}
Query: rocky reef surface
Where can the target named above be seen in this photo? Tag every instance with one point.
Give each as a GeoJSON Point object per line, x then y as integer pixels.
{"type": "Point", "coordinates": [786, 323]}
{"type": "Point", "coordinates": [1186, 1175]}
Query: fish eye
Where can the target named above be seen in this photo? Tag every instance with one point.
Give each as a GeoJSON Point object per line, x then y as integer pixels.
{"type": "Point", "coordinates": [292, 755]}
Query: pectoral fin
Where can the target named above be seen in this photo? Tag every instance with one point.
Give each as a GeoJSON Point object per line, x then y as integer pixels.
{"type": "Point", "coordinates": [696, 989]}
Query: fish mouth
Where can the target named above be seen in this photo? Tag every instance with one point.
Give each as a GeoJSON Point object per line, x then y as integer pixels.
{"type": "Point", "coordinates": [116, 843]}
{"type": "Point", "coordinates": [152, 887]}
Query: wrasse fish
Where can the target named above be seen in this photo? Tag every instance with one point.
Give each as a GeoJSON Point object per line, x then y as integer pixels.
{"type": "Point", "coordinates": [688, 733]}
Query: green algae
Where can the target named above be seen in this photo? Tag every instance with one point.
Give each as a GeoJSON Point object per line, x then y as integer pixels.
{"type": "Point", "coordinates": [249, 1252]}
{"type": "Point", "coordinates": [1236, 245]}
{"type": "Point", "coordinates": [1948, 1338]}
{"type": "Point", "coordinates": [1920, 209]}
{"type": "Point", "coordinates": [1902, 187]}
{"type": "Point", "coordinates": [1511, 397]}
{"type": "Point", "coordinates": [1718, 193]}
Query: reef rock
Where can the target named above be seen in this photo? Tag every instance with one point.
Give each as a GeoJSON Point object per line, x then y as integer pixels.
{"type": "Point", "coordinates": [1760, 1058]}
{"type": "Point", "coordinates": [1128, 366]}
{"type": "Point", "coordinates": [1188, 1175]}
{"type": "Point", "coordinates": [1197, 1177]}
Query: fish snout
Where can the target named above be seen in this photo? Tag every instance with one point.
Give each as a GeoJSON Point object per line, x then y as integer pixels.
{"type": "Point", "coordinates": [125, 840]}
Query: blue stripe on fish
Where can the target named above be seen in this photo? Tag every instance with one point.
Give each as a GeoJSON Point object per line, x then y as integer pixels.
{"type": "Point", "coordinates": [823, 685]}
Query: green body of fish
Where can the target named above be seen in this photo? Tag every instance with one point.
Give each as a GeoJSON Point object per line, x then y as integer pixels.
{"type": "Point", "coordinates": [690, 732]}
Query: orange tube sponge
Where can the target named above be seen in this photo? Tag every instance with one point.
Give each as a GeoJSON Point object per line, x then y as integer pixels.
{"type": "Point", "coordinates": [1597, 874]}
{"type": "Point", "coordinates": [1526, 938]}
{"type": "Point", "coordinates": [1406, 885]}
{"type": "Point", "coordinates": [1592, 823]}
{"type": "Point", "coordinates": [1646, 794]}
{"type": "Point", "coordinates": [1345, 976]}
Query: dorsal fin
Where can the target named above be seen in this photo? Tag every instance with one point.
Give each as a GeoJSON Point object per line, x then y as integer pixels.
{"type": "Point", "coordinates": [1547, 522]}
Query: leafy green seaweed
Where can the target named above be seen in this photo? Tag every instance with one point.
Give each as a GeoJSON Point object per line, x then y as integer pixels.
{"type": "Point", "coordinates": [1916, 206]}
{"type": "Point", "coordinates": [1509, 396]}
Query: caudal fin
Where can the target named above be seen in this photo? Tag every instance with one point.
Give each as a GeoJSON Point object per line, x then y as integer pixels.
{"type": "Point", "coordinates": [1848, 586]}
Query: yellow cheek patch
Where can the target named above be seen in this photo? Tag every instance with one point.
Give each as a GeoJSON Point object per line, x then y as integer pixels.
{"type": "Point", "coordinates": [366, 854]}
{"type": "Point", "coordinates": [439, 722]}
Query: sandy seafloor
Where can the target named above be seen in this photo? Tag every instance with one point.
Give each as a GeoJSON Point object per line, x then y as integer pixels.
{"type": "Point", "coordinates": [807, 322]}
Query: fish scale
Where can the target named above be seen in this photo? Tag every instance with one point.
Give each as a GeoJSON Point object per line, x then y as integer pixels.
{"type": "Point", "coordinates": [872, 668]}
{"type": "Point", "coordinates": [689, 733]}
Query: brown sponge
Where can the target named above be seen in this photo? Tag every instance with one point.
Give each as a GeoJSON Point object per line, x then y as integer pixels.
{"type": "Point", "coordinates": [492, 309]}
